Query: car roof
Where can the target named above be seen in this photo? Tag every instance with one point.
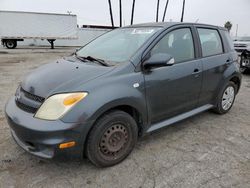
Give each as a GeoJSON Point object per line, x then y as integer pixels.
{"type": "Point", "coordinates": [170, 24]}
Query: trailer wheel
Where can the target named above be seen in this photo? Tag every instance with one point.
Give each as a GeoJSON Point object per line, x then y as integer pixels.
{"type": "Point", "coordinates": [10, 44]}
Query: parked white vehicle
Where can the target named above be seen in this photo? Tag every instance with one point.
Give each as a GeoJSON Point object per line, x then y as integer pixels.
{"type": "Point", "coordinates": [242, 46]}
{"type": "Point", "coordinates": [17, 26]}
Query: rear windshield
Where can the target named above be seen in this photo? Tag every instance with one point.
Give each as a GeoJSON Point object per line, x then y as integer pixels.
{"type": "Point", "coordinates": [118, 45]}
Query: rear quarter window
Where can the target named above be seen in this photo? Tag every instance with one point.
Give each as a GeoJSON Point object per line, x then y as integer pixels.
{"type": "Point", "coordinates": [229, 39]}
{"type": "Point", "coordinates": [211, 43]}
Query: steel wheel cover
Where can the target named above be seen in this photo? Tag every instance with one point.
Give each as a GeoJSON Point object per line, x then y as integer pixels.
{"type": "Point", "coordinates": [113, 141]}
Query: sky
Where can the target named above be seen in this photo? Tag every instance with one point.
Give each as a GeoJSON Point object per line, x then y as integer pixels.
{"type": "Point", "coordinates": [96, 12]}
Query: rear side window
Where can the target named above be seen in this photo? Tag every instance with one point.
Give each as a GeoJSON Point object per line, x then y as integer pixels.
{"type": "Point", "coordinates": [178, 43]}
{"type": "Point", "coordinates": [210, 42]}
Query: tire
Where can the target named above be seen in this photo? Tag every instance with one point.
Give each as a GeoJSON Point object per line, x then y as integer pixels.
{"type": "Point", "coordinates": [229, 90]}
{"type": "Point", "coordinates": [112, 139]}
{"type": "Point", "coordinates": [11, 44]}
{"type": "Point", "coordinates": [244, 70]}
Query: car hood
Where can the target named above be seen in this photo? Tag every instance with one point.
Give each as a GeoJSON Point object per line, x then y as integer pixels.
{"type": "Point", "coordinates": [61, 76]}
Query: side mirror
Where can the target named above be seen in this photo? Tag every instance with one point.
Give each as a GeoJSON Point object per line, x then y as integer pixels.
{"type": "Point", "coordinates": [159, 60]}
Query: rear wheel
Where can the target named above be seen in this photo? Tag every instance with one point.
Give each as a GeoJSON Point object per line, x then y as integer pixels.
{"type": "Point", "coordinates": [11, 44]}
{"type": "Point", "coordinates": [226, 98]}
{"type": "Point", "coordinates": [112, 139]}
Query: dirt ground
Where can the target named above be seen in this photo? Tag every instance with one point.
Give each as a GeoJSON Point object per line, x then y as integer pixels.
{"type": "Point", "coordinates": [207, 150]}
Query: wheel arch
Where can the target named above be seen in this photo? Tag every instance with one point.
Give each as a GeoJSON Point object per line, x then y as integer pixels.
{"type": "Point", "coordinates": [234, 77]}
{"type": "Point", "coordinates": [130, 109]}
{"type": "Point", "coordinates": [135, 112]}
{"type": "Point", "coordinates": [237, 81]}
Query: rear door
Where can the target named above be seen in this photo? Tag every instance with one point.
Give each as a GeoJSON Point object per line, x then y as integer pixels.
{"type": "Point", "coordinates": [174, 89]}
{"type": "Point", "coordinates": [215, 61]}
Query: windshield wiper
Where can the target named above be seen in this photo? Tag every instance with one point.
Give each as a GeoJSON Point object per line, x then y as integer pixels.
{"type": "Point", "coordinates": [78, 57]}
{"type": "Point", "coordinates": [101, 61]}
{"type": "Point", "coordinates": [90, 58]}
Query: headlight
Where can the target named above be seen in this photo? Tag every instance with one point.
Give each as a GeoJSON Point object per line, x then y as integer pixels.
{"type": "Point", "coordinates": [58, 105]}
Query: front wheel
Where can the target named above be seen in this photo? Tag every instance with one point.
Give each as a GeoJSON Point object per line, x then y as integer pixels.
{"type": "Point", "coordinates": [112, 139]}
{"type": "Point", "coordinates": [226, 98]}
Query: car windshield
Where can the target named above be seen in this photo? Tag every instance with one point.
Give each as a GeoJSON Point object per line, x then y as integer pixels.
{"type": "Point", "coordinates": [244, 39]}
{"type": "Point", "coordinates": [117, 45]}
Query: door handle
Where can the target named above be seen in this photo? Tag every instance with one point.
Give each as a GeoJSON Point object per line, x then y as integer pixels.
{"type": "Point", "coordinates": [196, 72]}
{"type": "Point", "coordinates": [228, 61]}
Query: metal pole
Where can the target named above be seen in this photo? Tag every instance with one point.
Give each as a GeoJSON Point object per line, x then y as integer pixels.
{"type": "Point", "coordinates": [165, 10]}
{"type": "Point", "coordinates": [183, 9]}
{"type": "Point", "coordinates": [157, 11]}
{"type": "Point", "coordinates": [132, 14]}
{"type": "Point", "coordinates": [111, 13]}
{"type": "Point", "coordinates": [120, 4]}
{"type": "Point", "coordinates": [237, 27]}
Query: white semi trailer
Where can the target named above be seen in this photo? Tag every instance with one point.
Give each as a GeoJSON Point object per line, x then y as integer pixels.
{"type": "Point", "coordinates": [18, 26]}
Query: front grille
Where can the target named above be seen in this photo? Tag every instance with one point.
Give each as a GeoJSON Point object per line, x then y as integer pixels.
{"type": "Point", "coordinates": [26, 108]}
{"type": "Point", "coordinates": [30, 105]}
{"type": "Point", "coordinates": [32, 97]}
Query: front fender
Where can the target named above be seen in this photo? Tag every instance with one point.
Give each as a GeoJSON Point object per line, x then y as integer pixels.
{"type": "Point", "coordinates": [103, 97]}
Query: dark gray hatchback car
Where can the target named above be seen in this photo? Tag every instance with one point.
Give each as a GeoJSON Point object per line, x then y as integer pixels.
{"type": "Point", "coordinates": [121, 86]}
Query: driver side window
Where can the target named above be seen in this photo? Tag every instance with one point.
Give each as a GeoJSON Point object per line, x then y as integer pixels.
{"type": "Point", "coordinates": [178, 43]}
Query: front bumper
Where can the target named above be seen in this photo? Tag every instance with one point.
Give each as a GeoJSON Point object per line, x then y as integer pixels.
{"type": "Point", "coordinates": [41, 137]}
